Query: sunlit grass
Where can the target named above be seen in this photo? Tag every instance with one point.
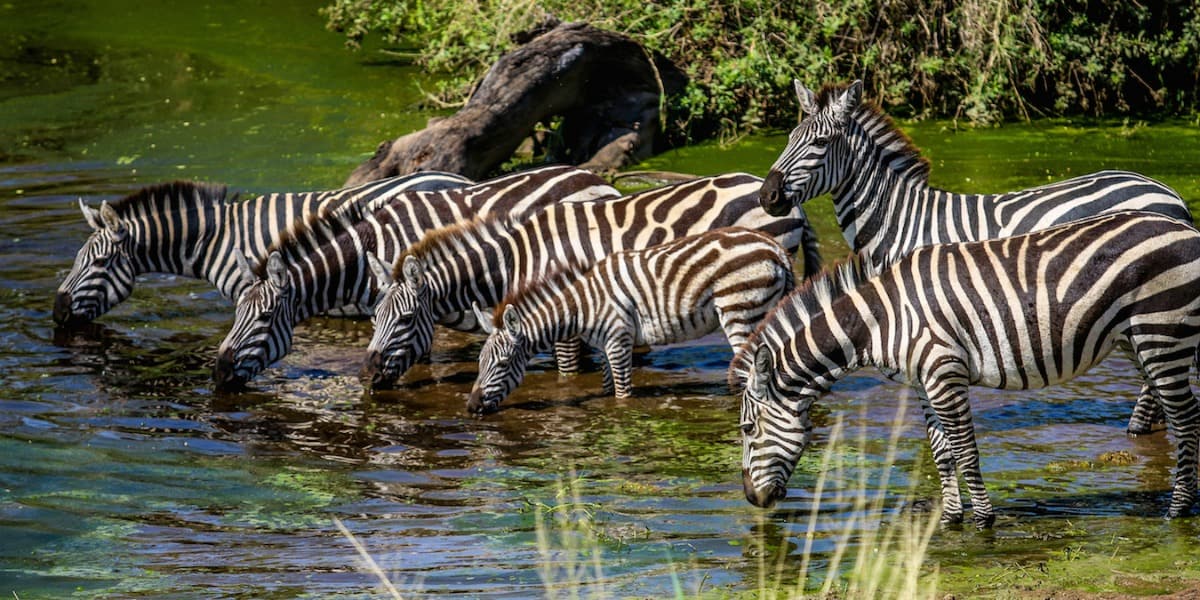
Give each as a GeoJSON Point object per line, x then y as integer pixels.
{"type": "Point", "coordinates": [879, 550]}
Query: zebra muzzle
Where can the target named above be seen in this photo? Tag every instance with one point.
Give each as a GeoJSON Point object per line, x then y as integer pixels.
{"type": "Point", "coordinates": [62, 310]}
{"type": "Point", "coordinates": [762, 498]}
{"type": "Point", "coordinates": [374, 374]}
{"type": "Point", "coordinates": [771, 197]}
{"type": "Point", "coordinates": [225, 375]}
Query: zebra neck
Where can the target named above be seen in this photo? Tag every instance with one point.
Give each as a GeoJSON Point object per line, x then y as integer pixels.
{"type": "Point", "coordinates": [557, 316]}
{"type": "Point", "coordinates": [178, 236]}
{"type": "Point", "coordinates": [474, 268]}
{"type": "Point", "coordinates": [885, 193]}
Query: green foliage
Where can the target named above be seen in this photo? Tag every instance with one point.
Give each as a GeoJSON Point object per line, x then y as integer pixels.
{"type": "Point", "coordinates": [982, 60]}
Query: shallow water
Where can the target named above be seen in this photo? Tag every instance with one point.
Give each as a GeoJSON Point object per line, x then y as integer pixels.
{"type": "Point", "coordinates": [122, 473]}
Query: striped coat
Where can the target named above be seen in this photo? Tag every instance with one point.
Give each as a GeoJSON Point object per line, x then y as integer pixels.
{"type": "Point", "coordinates": [324, 264]}
{"type": "Point", "coordinates": [1014, 313]}
{"type": "Point", "coordinates": [192, 229]}
{"type": "Point", "coordinates": [886, 207]}
{"type": "Point", "coordinates": [673, 292]}
{"type": "Point", "coordinates": [477, 263]}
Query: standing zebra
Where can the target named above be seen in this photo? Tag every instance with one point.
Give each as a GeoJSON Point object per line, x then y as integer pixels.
{"type": "Point", "coordinates": [886, 207]}
{"type": "Point", "coordinates": [477, 262]}
{"type": "Point", "coordinates": [672, 292]}
{"type": "Point", "coordinates": [323, 265]}
{"type": "Point", "coordinates": [1014, 313]}
{"type": "Point", "coordinates": [191, 229]}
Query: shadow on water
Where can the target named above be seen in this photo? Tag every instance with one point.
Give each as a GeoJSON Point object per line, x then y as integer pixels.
{"type": "Point", "coordinates": [122, 473]}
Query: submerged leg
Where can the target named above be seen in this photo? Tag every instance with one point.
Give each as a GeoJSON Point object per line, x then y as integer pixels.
{"type": "Point", "coordinates": [566, 355]}
{"type": "Point", "coordinates": [947, 392]}
{"type": "Point", "coordinates": [1168, 370]}
{"type": "Point", "coordinates": [618, 349]}
{"type": "Point", "coordinates": [943, 457]}
{"type": "Point", "coordinates": [1147, 414]}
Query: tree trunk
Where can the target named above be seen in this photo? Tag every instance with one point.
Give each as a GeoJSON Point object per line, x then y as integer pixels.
{"type": "Point", "coordinates": [602, 84]}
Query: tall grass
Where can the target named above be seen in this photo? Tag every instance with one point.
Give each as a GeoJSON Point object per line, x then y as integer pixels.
{"type": "Point", "coordinates": [879, 552]}
{"type": "Point", "coordinates": [870, 560]}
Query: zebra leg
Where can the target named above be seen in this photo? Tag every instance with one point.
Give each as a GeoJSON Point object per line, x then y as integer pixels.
{"type": "Point", "coordinates": [1147, 413]}
{"type": "Point", "coordinates": [566, 355]}
{"type": "Point", "coordinates": [1169, 371]}
{"type": "Point", "coordinates": [947, 393]}
{"type": "Point", "coordinates": [943, 457]}
{"type": "Point", "coordinates": [810, 246]}
{"type": "Point", "coordinates": [618, 349]}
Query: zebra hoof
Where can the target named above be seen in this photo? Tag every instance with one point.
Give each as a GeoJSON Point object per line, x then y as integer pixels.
{"type": "Point", "coordinates": [951, 519]}
{"type": "Point", "coordinates": [984, 521]}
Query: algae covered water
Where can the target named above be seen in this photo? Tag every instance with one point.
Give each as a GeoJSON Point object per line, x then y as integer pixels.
{"type": "Point", "coordinates": [123, 474]}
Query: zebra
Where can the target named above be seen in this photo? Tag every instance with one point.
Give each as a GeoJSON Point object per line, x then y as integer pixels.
{"type": "Point", "coordinates": [1021, 312]}
{"type": "Point", "coordinates": [191, 229]}
{"type": "Point", "coordinates": [325, 264]}
{"type": "Point", "coordinates": [885, 205]}
{"type": "Point", "coordinates": [672, 292]}
{"type": "Point", "coordinates": [477, 262]}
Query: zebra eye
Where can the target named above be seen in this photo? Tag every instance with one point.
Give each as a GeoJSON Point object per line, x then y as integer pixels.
{"type": "Point", "coordinates": [747, 428]}
{"type": "Point", "coordinates": [820, 142]}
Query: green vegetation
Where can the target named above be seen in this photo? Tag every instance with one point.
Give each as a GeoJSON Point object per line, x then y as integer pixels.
{"type": "Point", "coordinates": [979, 60]}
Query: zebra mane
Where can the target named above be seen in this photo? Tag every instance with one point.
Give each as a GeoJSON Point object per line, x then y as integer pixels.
{"type": "Point", "coordinates": [808, 300]}
{"type": "Point", "coordinates": [558, 276]}
{"type": "Point", "coordinates": [450, 236]}
{"type": "Point", "coordinates": [161, 195]}
{"type": "Point", "coordinates": [898, 150]}
{"type": "Point", "coordinates": [321, 227]}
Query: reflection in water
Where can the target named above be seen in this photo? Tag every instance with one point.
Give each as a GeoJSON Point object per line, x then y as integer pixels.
{"type": "Point", "coordinates": [122, 472]}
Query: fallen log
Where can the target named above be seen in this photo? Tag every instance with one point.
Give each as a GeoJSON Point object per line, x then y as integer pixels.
{"type": "Point", "coordinates": [603, 88]}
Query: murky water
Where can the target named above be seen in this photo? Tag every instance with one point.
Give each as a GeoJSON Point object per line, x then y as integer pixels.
{"type": "Point", "coordinates": [123, 474]}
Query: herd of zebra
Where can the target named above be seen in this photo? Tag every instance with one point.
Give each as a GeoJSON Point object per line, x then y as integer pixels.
{"type": "Point", "coordinates": [1013, 291]}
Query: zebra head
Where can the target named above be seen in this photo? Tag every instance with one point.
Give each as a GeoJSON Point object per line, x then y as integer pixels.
{"type": "Point", "coordinates": [262, 325]}
{"type": "Point", "coordinates": [104, 270]}
{"type": "Point", "coordinates": [403, 322]}
{"type": "Point", "coordinates": [815, 159]}
{"type": "Point", "coordinates": [502, 361]}
{"type": "Point", "coordinates": [775, 431]}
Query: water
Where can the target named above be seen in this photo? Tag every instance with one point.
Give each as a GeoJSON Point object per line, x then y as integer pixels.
{"type": "Point", "coordinates": [122, 473]}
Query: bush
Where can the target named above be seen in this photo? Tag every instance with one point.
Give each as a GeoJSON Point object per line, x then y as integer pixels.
{"type": "Point", "coordinates": [980, 60]}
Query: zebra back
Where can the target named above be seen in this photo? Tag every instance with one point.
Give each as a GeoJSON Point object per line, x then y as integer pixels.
{"type": "Point", "coordinates": [673, 292]}
{"type": "Point", "coordinates": [1020, 312]}
{"type": "Point", "coordinates": [476, 262]}
{"type": "Point", "coordinates": [885, 205]}
{"type": "Point", "coordinates": [323, 262]}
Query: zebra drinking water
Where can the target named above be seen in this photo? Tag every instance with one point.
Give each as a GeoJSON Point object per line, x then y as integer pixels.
{"type": "Point", "coordinates": [1021, 312]}
{"type": "Point", "coordinates": [672, 292]}
{"type": "Point", "coordinates": [192, 229]}
{"type": "Point", "coordinates": [885, 205]}
{"type": "Point", "coordinates": [478, 262]}
{"type": "Point", "coordinates": [323, 264]}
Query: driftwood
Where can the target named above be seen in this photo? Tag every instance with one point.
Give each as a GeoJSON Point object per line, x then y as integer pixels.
{"type": "Point", "coordinates": [603, 86]}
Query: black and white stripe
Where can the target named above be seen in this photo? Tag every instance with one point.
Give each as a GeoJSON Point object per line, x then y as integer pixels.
{"type": "Point", "coordinates": [477, 263]}
{"type": "Point", "coordinates": [1013, 313]}
{"type": "Point", "coordinates": [325, 263]}
{"type": "Point", "coordinates": [192, 229]}
{"type": "Point", "coordinates": [886, 207]}
{"type": "Point", "coordinates": [672, 292]}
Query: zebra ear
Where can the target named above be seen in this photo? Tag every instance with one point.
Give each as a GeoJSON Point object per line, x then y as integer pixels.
{"type": "Point", "coordinates": [382, 272]}
{"type": "Point", "coordinates": [242, 261]}
{"type": "Point", "coordinates": [848, 102]}
{"type": "Point", "coordinates": [91, 215]}
{"type": "Point", "coordinates": [763, 365]}
{"type": "Point", "coordinates": [414, 271]}
{"type": "Point", "coordinates": [484, 319]}
{"type": "Point", "coordinates": [112, 221]}
{"type": "Point", "coordinates": [512, 320]}
{"type": "Point", "coordinates": [276, 272]}
{"type": "Point", "coordinates": [808, 100]}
